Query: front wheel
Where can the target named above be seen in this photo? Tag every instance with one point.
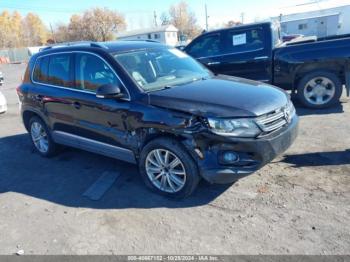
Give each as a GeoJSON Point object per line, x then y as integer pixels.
{"type": "Point", "coordinates": [167, 168]}
{"type": "Point", "coordinates": [319, 89]}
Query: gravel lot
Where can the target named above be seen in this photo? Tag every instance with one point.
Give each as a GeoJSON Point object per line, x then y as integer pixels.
{"type": "Point", "coordinates": [299, 204]}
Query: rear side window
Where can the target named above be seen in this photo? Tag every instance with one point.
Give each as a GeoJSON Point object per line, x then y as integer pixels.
{"type": "Point", "coordinates": [91, 72]}
{"type": "Point", "coordinates": [206, 46]}
{"type": "Point", "coordinates": [41, 70]}
{"type": "Point", "coordinates": [54, 70]}
{"type": "Point", "coordinates": [244, 40]}
{"type": "Point", "coordinates": [60, 73]}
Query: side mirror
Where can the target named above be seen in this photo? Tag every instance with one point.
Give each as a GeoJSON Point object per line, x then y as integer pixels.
{"type": "Point", "coordinates": [109, 91]}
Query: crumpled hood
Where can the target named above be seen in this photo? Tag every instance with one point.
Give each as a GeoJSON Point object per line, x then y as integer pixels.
{"type": "Point", "coordinates": [221, 96]}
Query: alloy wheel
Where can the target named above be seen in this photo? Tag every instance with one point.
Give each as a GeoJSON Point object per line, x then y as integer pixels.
{"type": "Point", "coordinates": [39, 137]}
{"type": "Point", "coordinates": [319, 90]}
{"type": "Point", "coordinates": [165, 170]}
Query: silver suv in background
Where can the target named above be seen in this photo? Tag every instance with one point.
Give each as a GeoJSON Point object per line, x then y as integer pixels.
{"type": "Point", "coordinates": [1, 79]}
{"type": "Point", "coordinates": [3, 103]}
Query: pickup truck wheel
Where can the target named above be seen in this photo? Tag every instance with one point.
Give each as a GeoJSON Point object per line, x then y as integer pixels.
{"type": "Point", "coordinates": [41, 137]}
{"type": "Point", "coordinates": [319, 89]}
{"type": "Point", "coordinates": [168, 169]}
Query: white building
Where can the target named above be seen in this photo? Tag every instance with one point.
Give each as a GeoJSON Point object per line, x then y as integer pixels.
{"type": "Point", "coordinates": [167, 34]}
{"type": "Point", "coordinates": [318, 20]}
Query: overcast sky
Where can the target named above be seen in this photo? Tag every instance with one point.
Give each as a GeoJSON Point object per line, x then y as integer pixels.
{"type": "Point", "coordinates": [139, 13]}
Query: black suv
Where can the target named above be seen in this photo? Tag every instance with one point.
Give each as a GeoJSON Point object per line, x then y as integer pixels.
{"type": "Point", "coordinates": [152, 105]}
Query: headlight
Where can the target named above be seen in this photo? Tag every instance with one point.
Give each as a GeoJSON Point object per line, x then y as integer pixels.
{"type": "Point", "coordinates": [234, 127]}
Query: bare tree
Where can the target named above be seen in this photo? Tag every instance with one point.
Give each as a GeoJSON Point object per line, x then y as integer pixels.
{"type": "Point", "coordinates": [97, 24]}
{"type": "Point", "coordinates": [184, 19]}
{"type": "Point", "coordinates": [165, 19]}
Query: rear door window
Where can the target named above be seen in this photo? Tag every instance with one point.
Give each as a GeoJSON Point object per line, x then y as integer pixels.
{"type": "Point", "coordinates": [205, 46]}
{"type": "Point", "coordinates": [41, 69]}
{"type": "Point", "coordinates": [237, 41]}
{"type": "Point", "coordinates": [60, 73]}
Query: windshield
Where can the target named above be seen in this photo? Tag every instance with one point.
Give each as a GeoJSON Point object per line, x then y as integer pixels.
{"type": "Point", "coordinates": [161, 68]}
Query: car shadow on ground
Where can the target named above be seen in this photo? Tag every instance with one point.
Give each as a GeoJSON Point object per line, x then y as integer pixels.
{"type": "Point", "coordinates": [302, 111]}
{"type": "Point", "coordinates": [319, 159]}
{"type": "Point", "coordinates": [64, 178]}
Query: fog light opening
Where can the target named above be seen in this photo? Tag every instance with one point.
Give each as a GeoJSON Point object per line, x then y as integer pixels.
{"type": "Point", "coordinates": [230, 157]}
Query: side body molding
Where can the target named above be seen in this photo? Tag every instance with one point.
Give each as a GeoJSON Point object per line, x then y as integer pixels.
{"type": "Point", "coordinates": [94, 146]}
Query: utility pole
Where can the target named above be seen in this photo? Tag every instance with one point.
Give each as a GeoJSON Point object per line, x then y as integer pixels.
{"type": "Point", "coordinates": [155, 18]}
{"type": "Point", "coordinates": [242, 18]}
{"type": "Point", "coordinates": [53, 35]}
{"type": "Point", "coordinates": [206, 17]}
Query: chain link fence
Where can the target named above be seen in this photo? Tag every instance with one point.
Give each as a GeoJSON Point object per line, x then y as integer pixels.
{"type": "Point", "coordinates": [15, 55]}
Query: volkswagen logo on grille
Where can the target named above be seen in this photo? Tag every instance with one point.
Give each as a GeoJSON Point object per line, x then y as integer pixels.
{"type": "Point", "coordinates": [287, 115]}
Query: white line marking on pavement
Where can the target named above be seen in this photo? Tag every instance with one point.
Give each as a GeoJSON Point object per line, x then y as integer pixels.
{"type": "Point", "coordinates": [101, 185]}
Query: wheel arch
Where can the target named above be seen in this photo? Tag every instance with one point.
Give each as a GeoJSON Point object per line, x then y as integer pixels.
{"type": "Point", "coordinates": [307, 69]}
{"type": "Point", "coordinates": [28, 114]}
{"type": "Point", "coordinates": [186, 141]}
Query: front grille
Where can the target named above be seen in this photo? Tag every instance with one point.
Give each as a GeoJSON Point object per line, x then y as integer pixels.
{"type": "Point", "coordinates": [274, 120]}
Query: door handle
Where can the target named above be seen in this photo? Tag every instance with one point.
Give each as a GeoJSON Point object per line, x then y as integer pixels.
{"type": "Point", "coordinates": [38, 98]}
{"type": "Point", "coordinates": [77, 105]}
{"type": "Point", "coordinates": [213, 63]}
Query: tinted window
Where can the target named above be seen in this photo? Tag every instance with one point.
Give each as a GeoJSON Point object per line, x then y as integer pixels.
{"type": "Point", "coordinates": [59, 72]}
{"type": "Point", "coordinates": [92, 72]}
{"type": "Point", "coordinates": [205, 46]}
{"type": "Point", "coordinates": [41, 69]}
{"type": "Point", "coordinates": [244, 40]}
{"type": "Point", "coordinates": [155, 69]}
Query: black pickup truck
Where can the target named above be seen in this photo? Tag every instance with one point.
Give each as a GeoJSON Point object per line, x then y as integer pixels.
{"type": "Point", "coordinates": [314, 69]}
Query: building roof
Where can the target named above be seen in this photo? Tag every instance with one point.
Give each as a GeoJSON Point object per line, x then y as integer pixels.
{"type": "Point", "coordinates": [312, 6]}
{"type": "Point", "coordinates": [158, 29]}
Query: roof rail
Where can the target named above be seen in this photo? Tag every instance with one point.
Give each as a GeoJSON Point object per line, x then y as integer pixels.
{"type": "Point", "coordinates": [141, 40]}
{"type": "Point", "coordinates": [77, 43]}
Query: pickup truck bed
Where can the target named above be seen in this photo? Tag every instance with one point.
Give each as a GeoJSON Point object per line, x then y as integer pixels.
{"type": "Point", "coordinates": [314, 69]}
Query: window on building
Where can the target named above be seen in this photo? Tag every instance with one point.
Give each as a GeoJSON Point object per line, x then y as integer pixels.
{"type": "Point", "coordinates": [156, 36]}
{"type": "Point", "coordinates": [302, 26]}
{"type": "Point", "coordinates": [149, 36]}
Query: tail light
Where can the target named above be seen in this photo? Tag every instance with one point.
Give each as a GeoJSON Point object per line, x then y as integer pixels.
{"type": "Point", "coordinates": [19, 93]}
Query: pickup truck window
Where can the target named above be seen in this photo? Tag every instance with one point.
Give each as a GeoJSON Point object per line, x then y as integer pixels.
{"type": "Point", "coordinates": [205, 46]}
{"type": "Point", "coordinates": [244, 40]}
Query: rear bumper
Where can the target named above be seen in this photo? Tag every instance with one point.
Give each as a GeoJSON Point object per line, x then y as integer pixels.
{"type": "Point", "coordinates": [254, 154]}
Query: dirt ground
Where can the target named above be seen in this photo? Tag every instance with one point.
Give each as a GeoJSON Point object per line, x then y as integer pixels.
{"type": "Point", "coordinates": [298, 204]}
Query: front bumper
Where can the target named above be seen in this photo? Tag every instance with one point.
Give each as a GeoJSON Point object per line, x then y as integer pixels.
{"type": "Point", "coordinates": [254, 154]}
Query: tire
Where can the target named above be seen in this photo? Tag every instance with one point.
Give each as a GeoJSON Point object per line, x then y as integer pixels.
{"type": "Point", "coordinates": [189, 180]}
{"type": "Point", "coordinates": [51, 149]}
{"type": "Point", "coordinates": [327, 92]}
